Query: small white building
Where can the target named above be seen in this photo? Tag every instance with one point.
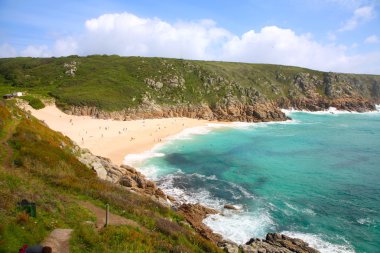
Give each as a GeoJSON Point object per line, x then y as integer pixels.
{"type": "Point", "coordinates": [17, 94]}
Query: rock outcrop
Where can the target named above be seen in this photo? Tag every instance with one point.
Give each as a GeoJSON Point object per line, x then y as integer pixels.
{"type": "Point", "coordinates": [123, 175]}
{"type": "Point", "coordinates": [277, 243]}
{"type": "Point", "coordinates": [103, 167]}
{"type": "Point", "coordinates": [195, 214]}
{"type": "Point", "coordinates": [273, 243]}
{"type": "Point", "coordinates": [321, 104]}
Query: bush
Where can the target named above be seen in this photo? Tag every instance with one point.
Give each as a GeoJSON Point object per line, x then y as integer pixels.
{"type": "Point", "coordinates": [34, 102]}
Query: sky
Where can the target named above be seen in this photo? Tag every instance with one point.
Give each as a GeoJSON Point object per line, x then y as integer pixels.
{"type": "Point", "coordinates": [327, 35]}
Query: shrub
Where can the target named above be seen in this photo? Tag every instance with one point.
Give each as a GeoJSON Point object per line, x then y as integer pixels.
{"type": "Point", "coordinates": [34, 102]}
{"type": "Point", "coordinates": [169, 228]}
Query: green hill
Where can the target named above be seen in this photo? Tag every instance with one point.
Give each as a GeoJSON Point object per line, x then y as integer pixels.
{"type": "Point", "coordinates": [113, 83]}
{"type": "Point", "coordinates": [41, 165]}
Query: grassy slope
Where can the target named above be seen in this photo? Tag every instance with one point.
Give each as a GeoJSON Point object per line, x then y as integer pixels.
{"type": "Point", "coordinates": [37, 164]}
{"type": "Point", "coordinates": [114, 83]}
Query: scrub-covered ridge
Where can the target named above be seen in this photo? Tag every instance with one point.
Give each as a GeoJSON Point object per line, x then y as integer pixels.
{"type": "Point", "coordinates": [138, 87]}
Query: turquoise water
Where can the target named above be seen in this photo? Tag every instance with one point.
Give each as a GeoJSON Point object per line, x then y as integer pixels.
{"type": "Point", "coordinates": [316, 178]}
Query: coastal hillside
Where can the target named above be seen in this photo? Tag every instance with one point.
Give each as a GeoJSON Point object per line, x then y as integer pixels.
{"type": "Point", "coordinates": [137, 87]}
{"type": "Point", "coordinates": [44, 167]}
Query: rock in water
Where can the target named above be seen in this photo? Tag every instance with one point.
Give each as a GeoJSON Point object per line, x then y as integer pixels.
{"type": "Point", "coordinates": [231, 207]}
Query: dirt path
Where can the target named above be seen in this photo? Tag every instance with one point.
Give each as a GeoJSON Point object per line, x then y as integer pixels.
{"type": "Point", "coordinates": [113, 218]}
{"type": "Point", "coordinates": [58, 240]}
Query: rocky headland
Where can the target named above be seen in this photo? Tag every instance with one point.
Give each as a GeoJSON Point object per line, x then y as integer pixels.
{"type": "Point", "coordinates": [305, 92]}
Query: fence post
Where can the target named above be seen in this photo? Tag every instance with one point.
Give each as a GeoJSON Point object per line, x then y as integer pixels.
{"type": "Point", "coordinates": [107, 214]}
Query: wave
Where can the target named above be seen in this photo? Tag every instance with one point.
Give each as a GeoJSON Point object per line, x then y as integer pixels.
{"type": "Point", "coordinates": [188, 132]}
{"type": "Point", "coordinates": [229, 225]}
{"type": "Point", "coordinates": [241, 189]}
{"type": "Point", "coordinates": [134, 159]}
{"type": "Point", "coordinates": [307, 211]}
{"type": "Point", "coordinates": [317, 242]}
{"type": "Point", "coordinates": [330, 111]}
{"type": "Point", "coordinates": [182, 194]}
{"type": "Point", "coordinates": [365, 221]}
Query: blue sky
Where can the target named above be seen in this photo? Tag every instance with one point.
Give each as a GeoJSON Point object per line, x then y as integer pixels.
{"type": "Point", "coordinates": [329, 35]}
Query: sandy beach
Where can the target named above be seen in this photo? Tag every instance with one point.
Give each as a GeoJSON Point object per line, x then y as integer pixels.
{"type": "Point", "coordinates": [111, 138]}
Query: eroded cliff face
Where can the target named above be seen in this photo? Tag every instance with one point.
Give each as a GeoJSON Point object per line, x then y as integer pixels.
{"type": "Point", "coordinates": [123, 175]}
{"type": "Point", "coordinates": [236, 111]}
{"type": "Point", "coordinates": [232, 111]}
{"type": "Point", "coordinates": [342, 91]}
{"type": "Point", "coordinates": [303, 91]}
{"type": "Point", "coordinates": [321, 104]}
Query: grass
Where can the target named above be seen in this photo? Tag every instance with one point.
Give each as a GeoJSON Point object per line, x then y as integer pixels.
{"type": "Point", "coordinates": [114, 83]}
{"type": "Point", "coordinates": [39, 164]}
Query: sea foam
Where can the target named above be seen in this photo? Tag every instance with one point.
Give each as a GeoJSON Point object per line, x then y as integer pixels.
{"type": "Point", "coordinates": [317, 242]}
{"type": "Point", "coordinates": [329, 111]}
{"type": "Point", "coordinates": [240, 227]}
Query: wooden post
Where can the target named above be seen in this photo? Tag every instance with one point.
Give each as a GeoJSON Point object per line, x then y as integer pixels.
{"type": "Point", "coordinates": [107, 214]}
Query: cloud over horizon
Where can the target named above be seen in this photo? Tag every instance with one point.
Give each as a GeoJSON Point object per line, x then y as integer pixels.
{"type": "Point", "coordinates": [126, 34]}
{"type": "Point", "coordinates": [361, 15]}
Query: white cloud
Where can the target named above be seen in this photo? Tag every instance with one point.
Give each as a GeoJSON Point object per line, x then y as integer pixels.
{"type": "Point", "coordinates": [361, 15]}
{"type": "Point", "coordinates": [66, 46]}
{"type": "Point", "coordinates": [127, 34]}
{"type": "Point", "coordinates": [7, 50]}
{"type": "Point", "coordinates": [36, 51]}
{"type": "Point", "coordinates": [283, 46]}
{"type": "Point", "coordinates": [373, 39]}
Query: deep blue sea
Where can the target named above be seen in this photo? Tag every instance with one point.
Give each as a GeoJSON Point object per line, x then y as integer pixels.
{"type": "Point", "coordinates": [316, 177]}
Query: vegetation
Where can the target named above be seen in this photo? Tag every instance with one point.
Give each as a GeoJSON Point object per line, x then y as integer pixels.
{"type": "Point", "coordinates": [115, 83]}
{"type": "Point", "coordinates": [40, 165]}
{"type": "Point", "coordinates": [34, 102]}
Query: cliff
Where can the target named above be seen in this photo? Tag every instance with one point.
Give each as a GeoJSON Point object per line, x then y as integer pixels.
{"type": "Point", "coordinates": [136, 87]}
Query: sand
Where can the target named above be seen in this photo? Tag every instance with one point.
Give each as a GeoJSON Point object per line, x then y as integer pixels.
{"type": "Point", "coordinates": [111, 138]}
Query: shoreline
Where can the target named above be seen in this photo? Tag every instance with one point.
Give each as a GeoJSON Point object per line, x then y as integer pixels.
{"type": "Point", "coordinates": [111, 138]}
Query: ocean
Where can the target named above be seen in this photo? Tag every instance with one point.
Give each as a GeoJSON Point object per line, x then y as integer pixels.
{"type": "Point", "coordinates": [315, 177]}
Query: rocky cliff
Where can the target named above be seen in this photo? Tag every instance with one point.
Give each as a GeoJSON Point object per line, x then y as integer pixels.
{"type": "Point", "coordinates": [123, 175]}
{"type": "Point", "coordinates": [232, 111]}
{"type": "Point", "coordinates": [301, 90]}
